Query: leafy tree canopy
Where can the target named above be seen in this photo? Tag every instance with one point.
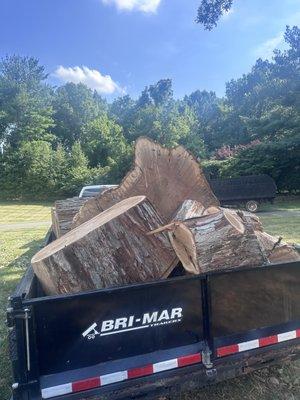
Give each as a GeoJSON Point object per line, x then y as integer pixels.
{"type": "Point", "coordinates": [210, 11]}
{"type": "Point", "coordinates": [54, 140]}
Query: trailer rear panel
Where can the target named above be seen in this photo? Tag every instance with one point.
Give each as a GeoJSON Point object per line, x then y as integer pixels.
{"type": "Point", "coordinates": [96, 342]}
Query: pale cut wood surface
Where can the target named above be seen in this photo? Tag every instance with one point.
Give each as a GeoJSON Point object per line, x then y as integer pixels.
{"type": "Point", "coordinates": [110, 249]}
{"type": "Point", "coordinates": [165, 176]}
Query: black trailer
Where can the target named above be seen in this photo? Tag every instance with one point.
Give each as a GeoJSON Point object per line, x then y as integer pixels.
{"type": "Point", "coordinates": [248, 191]}
{"type": "Point", "coordinates": [145, 340]}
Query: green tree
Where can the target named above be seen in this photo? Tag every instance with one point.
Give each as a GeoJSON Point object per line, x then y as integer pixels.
{"type": "Point", "coordinates": [74, 106]}
{"type": "Point", "coordinates": [105, 146]}
{"type": "Point", "coordinates": [25, 101]}
{"type": "Point", "coordinates": [210, 11]}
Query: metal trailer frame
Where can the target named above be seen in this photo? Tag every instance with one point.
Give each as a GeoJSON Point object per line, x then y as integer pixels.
{"type": "Point", "coordinates": [222, 357]}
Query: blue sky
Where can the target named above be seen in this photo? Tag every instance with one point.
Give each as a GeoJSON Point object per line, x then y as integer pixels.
{"type": "Point", "coordinates": [120, 46]}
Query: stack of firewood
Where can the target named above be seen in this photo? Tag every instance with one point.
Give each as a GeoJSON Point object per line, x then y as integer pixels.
{"type": "Point", "coordinates": [162, 215]}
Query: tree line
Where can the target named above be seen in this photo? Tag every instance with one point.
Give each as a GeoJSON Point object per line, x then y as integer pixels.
{"type": "Point", "coordinates": [53, 140]}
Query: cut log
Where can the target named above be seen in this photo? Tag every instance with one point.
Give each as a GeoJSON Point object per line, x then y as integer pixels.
{"type": "Point", "coordinates": [276, 250]}
{"type": "Point", "coordinates": [220, 238]}
{"type": "Point", "coordinates": [63, 213]}
{"type": "Point", "coordinates": [165, 176]}
{"type": "Point", "coordinates": [215, 241]}
{"type": "Point", "coordinates": [249, 219]}
{"type": "Point", "coordinates": [110, 249]}
{"type": "Point", "coordinates": [193, 209]}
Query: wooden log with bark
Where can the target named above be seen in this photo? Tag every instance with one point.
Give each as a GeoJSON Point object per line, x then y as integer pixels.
{"type": "Point", "coordinates": [110, 249]}
{"type": "Point", "coordinates": [276, 250]}
{"type": "Point", "coordinates": [63, 213]}
{"type": "Point", "coordinates": [220, 238]}
{"type": "Point", "coordinates": [165, 176]}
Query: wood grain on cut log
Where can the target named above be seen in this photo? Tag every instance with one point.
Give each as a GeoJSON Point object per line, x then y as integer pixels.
{"type": "Point", "coordinates": [165, 176]}
{"type": "Point", "coordinates": [189, 209]}
{"type": "Point", "coordinates": [215, 241]}
{"type": "Point", "coordinates": [63, 213]}
{"type": "Point", "coordinates": [110, 249]}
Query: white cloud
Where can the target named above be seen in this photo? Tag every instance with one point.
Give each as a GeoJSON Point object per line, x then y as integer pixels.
{"type": "Point", "coordinates": [90, 77]}
{"type": "Point", "coordinates": [146, 6]}
{"type": "Point", "coordinates": [265, 49]}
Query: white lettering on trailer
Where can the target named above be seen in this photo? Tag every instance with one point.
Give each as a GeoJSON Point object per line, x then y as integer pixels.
{"type": "Point", "coordinates": [150, 318]}
{"type": "Point", "coordinates": [131, 323]}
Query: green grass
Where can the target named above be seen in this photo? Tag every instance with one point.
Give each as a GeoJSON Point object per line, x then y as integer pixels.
{"type": "Point", "coordinates": [18, 246]}
{"type": "Point", "coordinates": [14, 212]}
{"type": "Point", "coordinates": [282, 218]}
{"type": "Point", "coordinates": [287, 227]}
{"type": "Point", "coordinates": [283, 203]}
{"type": "Point", "coordinates": [16, 250]}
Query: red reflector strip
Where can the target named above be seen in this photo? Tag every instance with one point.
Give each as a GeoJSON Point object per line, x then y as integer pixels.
{"type": "Point", "coordinates": [226, 350]}
{"type": "Point", "coordinates": [138, 372]}
{"type": "Point", "coordinates": [120, 376]}
{"type": "Point", "coordinates": [85, 384]}
{"type": "Point", "coordinates": [150, 369]}
{"type": "Point", "coordinates": [189, 360]}
{"type": "Point", "coordinates": [262, 342]}
{"type": "Point", "coordinates": [267, 341]}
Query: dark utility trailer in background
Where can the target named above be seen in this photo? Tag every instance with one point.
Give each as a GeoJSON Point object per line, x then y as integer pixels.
{"type": "Point", "coordinates": [248, 191]}
{"type": "Point", "coordinates": [145, 340]}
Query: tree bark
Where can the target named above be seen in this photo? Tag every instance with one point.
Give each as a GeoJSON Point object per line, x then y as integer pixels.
{"type": "Point", "coordinates": [214, 241]}
{"type": "Point", "coordinates": [276, 250]}
{"type": "Point", "coordinates": [110, 249]}
{"type": "Point", "coordinates": [219, 238]}
{"type": "Point", "coordinates": [63, 213]}
{"type": "Point", "coordinates": [165, 176]}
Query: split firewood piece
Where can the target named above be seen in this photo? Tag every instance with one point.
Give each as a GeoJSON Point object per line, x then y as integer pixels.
{"type": "Point", "coordinates": [213, 242]}
{"type": "Point", "coordinates": [211, 210]}
{"type": "Point", "coordinates": [165, 176]}
{"type": "Point", "coordinates": [194, 209]}
{"type": "Point", "coordinates": [248, 218]}
{"type": "Point", "coordinates": [110, 249]}
{"type": "Point", "coordinates": [276, 250]}
{"type": "Point", "coordinates": [63, 213]}
{"type": "Point", "coordinates": [189, 209]}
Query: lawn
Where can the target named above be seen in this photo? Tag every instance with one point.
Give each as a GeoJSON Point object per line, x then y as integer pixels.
{"type": "Point", "coordinates": [14, 212]}
{"type": "Point", "coordinates": [18, 245]}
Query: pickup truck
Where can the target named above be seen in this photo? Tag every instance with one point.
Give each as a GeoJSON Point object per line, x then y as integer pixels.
{"type": "Point", "coordinates": [142, 341]}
